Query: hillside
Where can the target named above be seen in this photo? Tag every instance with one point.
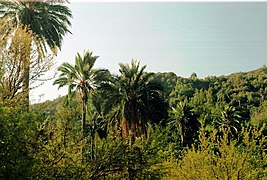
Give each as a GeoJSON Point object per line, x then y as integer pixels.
{"type": "Point", "coordinates": [243, 88]}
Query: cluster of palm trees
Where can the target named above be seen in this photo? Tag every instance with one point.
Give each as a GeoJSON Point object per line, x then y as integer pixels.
{"type": "Point", "coordinates": [130, 100]}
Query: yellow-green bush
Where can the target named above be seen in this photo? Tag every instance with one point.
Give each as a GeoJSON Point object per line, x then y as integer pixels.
{"type": "Point", "coordinates": [218, 157]}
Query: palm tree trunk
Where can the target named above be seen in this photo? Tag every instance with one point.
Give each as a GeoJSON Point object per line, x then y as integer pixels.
{"type": "Point", "coordinates": [124, 127]}
{"type": "Point", "coordinates": [83, 126]}
{"type": "Point", "coordinates": [92, 140]}
{"type": "Point", "coordinates": [134, 126]}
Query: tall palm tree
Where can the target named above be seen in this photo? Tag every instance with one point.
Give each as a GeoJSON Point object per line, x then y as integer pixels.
{"type": "Point", "coordinates": [134, 99]}
{"type": "Point", "coordinates": [82, 78]}
{"type": "Point", "coordinates": [48, 20]}
{"type": "Point", "coordinates": [184, 120]}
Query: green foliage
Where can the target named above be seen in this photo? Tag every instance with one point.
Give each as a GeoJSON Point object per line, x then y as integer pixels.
{"type": "Point", "coordinates": [59, 154]}
{"type": "Point", "coordinates": [49, 108]}
{"type": "Point", "coordinates": [18, 132]}
{"type": "Point", "coordinates": [164, 142]}
{"type": "Point", "coordinates": [217, 158]}
{"type": "Point", "coordinates": [259, 118]}
{"type": "Point", "coordinates": [116, 159]}
{"type": "Point", "coordinates": [167, 80]}
{"type": "Point", "coordinates": [60, 143]}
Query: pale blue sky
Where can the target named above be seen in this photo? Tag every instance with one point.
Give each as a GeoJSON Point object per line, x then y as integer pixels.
{"type": "Point", "coordinates": [206, 38]}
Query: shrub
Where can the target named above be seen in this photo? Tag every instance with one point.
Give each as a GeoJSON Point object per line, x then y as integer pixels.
{"type": "Point", "coordinates": [218, 158]}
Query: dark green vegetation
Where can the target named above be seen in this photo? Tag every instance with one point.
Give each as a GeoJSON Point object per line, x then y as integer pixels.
{"type": "Point", "coordinates": [131, 125]}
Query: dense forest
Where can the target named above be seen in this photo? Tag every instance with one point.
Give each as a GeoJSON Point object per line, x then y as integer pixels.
{"type": "Point", "coordinates": [131, 125]}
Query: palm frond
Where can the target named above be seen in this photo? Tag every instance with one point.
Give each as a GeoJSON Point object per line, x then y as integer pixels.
{"type": "Point", "coordinates": [48, 21]}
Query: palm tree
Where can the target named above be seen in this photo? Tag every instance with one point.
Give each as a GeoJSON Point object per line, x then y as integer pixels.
{"type": "Point", "coordinates": [134, 99]}
{"type": "Point", "coordinates": [229, 120]}
{"type": "Point", "coordinates": [184, 120]}
{"type": "Point", "coordinates": [82, 78]}
{"type": "Point", "coordinates": [47, 20]}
